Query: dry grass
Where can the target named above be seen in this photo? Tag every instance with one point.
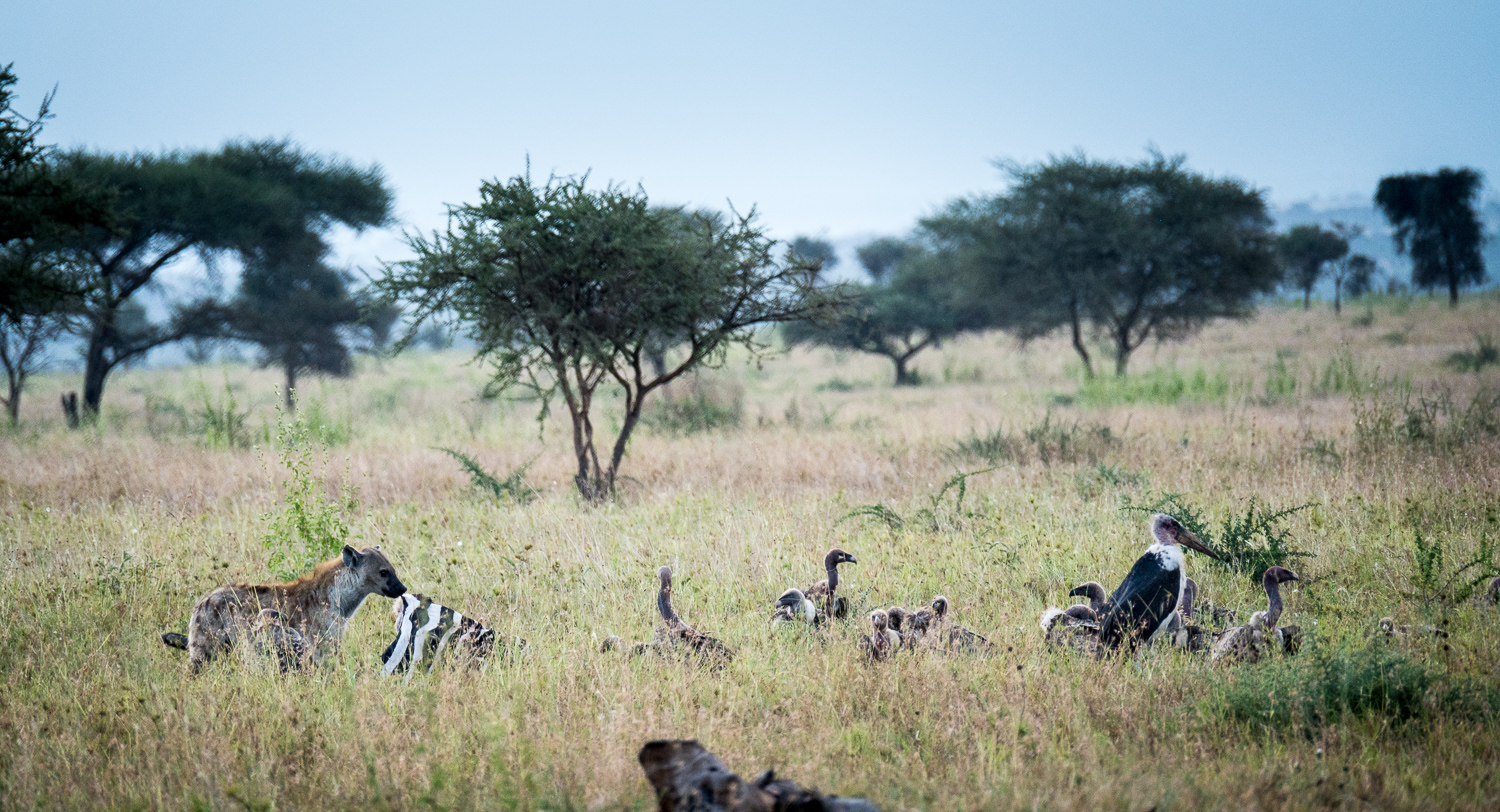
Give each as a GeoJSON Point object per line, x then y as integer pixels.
{"type": "Point", "coordinates": [111, 534]}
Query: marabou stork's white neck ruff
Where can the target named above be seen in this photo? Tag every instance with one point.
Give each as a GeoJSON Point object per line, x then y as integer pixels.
{"type": "Point", "coordinates": [1144, 605]}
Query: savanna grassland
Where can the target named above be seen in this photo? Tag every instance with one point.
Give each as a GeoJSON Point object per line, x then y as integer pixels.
{"type": "Point", "coordinates": [111, 533]}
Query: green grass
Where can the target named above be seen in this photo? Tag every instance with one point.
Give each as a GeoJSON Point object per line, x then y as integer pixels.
{"type": "Point", "coordinates": [111, 533]}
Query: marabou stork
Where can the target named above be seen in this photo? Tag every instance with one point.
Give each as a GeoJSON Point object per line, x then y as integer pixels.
{"type": "Point", "coordinates": [1142, 608]}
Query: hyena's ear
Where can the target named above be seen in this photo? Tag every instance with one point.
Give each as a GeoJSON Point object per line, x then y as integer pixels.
{"type": "Point", "coordinates": [351, 557]}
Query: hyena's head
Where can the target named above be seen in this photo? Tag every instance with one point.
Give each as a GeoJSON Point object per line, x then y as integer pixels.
{"type": "Point", "coordinates": [375, 575]}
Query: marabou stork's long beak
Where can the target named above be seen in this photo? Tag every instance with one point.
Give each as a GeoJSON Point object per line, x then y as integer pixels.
{"type": "Point", "coordinates": [1186, 538]}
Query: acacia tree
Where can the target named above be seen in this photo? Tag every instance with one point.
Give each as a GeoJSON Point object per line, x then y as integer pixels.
{"type": "Point", "coordinates": [1136, 252]}
{"type": "Point", "coordinates": [38, 289]}
{"type": "Point", "coordinates": [1361, 275]}
{"type": "Point", "coordinates": [1039, 256]}
{"type": "Point", "coordinates": [1437, 224]}
{"type": "Point", "coordinates": [913, 308]}
{"type": "Point", "coordinates": [296, 312]}
{"type": "Point", "coordinates": [1307, 251]}
{"type": "Point", "coordinates": [566, 288]}
{"type": "Point", "coordinates": [256, 198]}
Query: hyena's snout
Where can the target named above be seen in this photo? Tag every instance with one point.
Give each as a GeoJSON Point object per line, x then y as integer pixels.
{"type": "Point", "coordinates": [393, 587]}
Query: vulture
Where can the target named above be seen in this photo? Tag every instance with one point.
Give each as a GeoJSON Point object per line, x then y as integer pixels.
{"type": "Point", "coordinates": [1142, 608]}
{"type": "Point", "coordinates": [823, 592]}
{"type": "Point", "coordinates": [953, 635]}
{"type": "Point", "coordinates": [1076, 627]}
{"type": "Point", "coordinates": [794, 605]}
{"type": "Point", "coordinates": [676, 635]}
{"type": "Point", "coordinates": [1250, 641]}
{"type": "Point", "coordinates": [1094, 591]}
{"type": "Point", "coordinates": [882, 642]}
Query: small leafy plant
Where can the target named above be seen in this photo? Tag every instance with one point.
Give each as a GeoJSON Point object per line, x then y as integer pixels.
{"type": "Point", "coordinates": [930, 516]}
{"type": "Point", "coordinates": [311, 527]}
{"type": "Point", "coordinates": [224, 425]}
{"type": "Point", "coordinates": [1437, 584]}
{"type": "Point", "coordinates": [512, 487]}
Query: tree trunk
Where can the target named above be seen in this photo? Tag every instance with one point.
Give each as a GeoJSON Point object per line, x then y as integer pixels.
{"type": "Point", "coordinates": [903, 375]}
{"type": "Point", "coordinates": [1338, 292]}
{"type": "Point", "coordinates": [291, 388]}
{"type": "Point", "coordinates": [1307, 298]}
{"type": "Point", "coordinates": [96, 366]}
{"type": "Point", "coordinates": [1453, 290]}
{"type": "Point", "coordinates": [1083, 352]}
{"type": "Point", "coordinates": [1122, 351]}
{"type": "Point", "coordinates": [13, 405]}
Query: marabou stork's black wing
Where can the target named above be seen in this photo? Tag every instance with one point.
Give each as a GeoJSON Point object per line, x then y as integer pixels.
{"type": "Point", "coordinates": [1148, 594]}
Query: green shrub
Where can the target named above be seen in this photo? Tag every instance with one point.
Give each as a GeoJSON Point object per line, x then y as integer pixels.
{"type": "Point", "coordinates": [311, 527]}
{"type": "Point", "coordinates": [1091, 482]}
{"type": "Point", "coordinates": [1325, 686]}
{"type": "Point", "coordinates": [512, 487]}
{"type": "Point", "coordinates": [1437, 584]}
{"type": "Point", "coordinates": [1250, 542]}
{"type": "Point", "coordinates": [935, 516]}
{"type": "Point", "coordinates": [1485, 354]}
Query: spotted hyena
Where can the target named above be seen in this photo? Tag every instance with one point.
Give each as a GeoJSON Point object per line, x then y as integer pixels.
{"type": "Point", "coordinates": [310, 612]}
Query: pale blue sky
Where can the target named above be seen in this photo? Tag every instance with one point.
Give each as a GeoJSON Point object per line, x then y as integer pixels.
{"type": "Point", "coordinates": [840, 118]}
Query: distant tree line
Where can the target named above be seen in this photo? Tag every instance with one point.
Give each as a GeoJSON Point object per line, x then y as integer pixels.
{"type": "Point", "coordinates": [1120, 254]}
{"type": "Point", "coordinates": [567, 288]}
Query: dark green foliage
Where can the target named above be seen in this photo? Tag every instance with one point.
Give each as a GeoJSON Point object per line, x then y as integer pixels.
{"type": "Point", "coordinates": [1329, 685]}
{"type": "Point", "coordinates": [267, 201]}
{"type": "Point", "coordinates": [880, 257]}
{"type": "Point", "coordinates": [1438, 225]}
{"type": "Point", "coordinates": [38, 207]}
{"type": "Point", "coordinates": [1485, 354]}
{"type": "Point", "coordinates": [1249, 543]}
{"type": "Point", "coordinates": [815, 253]}
{"type": "Point", "coordinates": [1135, 252]}
{"type": "Point", "coordinates": [512, 487]}
{"type": "Point", "coordinates": [916, 305]}
{"type": "Point", "coordinates": [1306, 251]}
{"type": "Point", "coordinates": [296, 310]}
{"type": "Point", "coordinates": [1361, 272]}
{"type": "Point", "coordinates": [565, 288]}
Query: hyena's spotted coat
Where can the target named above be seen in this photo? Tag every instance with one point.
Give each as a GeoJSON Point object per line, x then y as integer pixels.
{"type": "Point", "coordinates": [316, 607]}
